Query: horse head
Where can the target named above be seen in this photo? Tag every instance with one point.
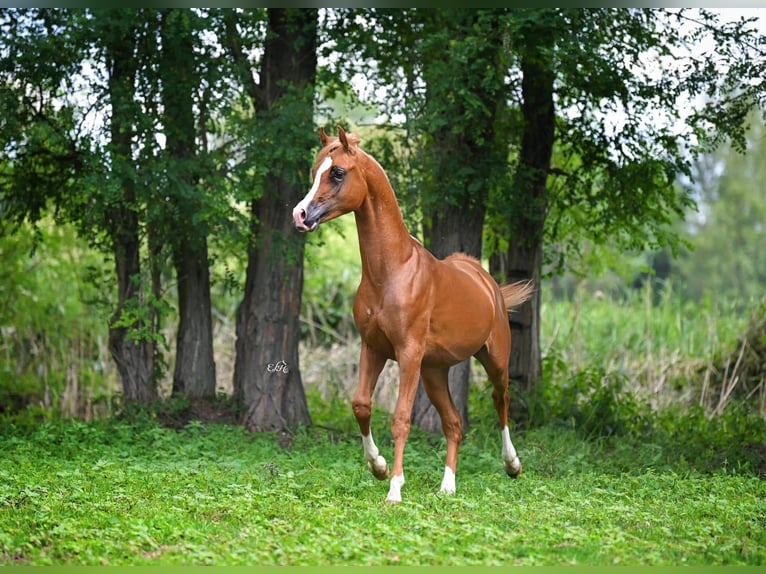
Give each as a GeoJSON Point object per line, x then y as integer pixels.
{"type": "Point", "coordinates": [339, 186]}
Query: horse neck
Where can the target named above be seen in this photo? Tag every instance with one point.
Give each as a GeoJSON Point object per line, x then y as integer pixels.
{"type": "Point", "coordinates": [384, 241]}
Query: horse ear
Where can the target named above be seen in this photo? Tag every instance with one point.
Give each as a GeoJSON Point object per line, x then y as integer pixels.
{"type": "Point", "coordinates": [343, 139]}
{"type": "Point", "coordinates": [323, 138]}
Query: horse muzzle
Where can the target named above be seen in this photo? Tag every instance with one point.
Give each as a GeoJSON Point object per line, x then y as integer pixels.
{"type": "Point", "coordinates": [306, 220]}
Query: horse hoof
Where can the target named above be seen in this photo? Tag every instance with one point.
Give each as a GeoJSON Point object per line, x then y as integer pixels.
{"type": "Point", "coordinates": [513, 468]}
{"type": "Point", "coordinates": [379, 468]}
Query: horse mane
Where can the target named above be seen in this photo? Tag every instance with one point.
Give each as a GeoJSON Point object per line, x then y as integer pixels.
{"type": "Point", "coordinates": [353, 139]}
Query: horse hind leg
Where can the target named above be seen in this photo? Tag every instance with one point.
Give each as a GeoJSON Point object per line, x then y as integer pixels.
{"type": "Point", "coordinates": [436, 384]}
{"type": "Point", "coordinates": [497, 371]}
{"type": "Point", "coordinates": [370, 366]}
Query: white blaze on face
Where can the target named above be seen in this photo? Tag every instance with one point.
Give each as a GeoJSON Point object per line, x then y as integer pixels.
{"type": "Point", "coordinates": [302, 206]}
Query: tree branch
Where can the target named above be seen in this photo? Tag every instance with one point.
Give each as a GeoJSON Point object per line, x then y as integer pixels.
{"type": "Point", "coordinates": [234, 44]}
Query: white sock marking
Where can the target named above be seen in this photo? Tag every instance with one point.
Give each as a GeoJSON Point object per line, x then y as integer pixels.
{"type": "Point", "coordinates": [509, 453]}
{"type": "Point", "coordinates": [376, 462]}
{"type": "Point", "coordinates": [370, 450]}
{"type": "Point", "coordinates": [510, 458]}
{"type": "Point", "coordinates": [395, 490]}
{"type": "Point", "coordinates": [448, 482]}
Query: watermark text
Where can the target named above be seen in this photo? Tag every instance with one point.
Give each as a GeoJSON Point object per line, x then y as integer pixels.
{"type": "Point", "coordinates": [278, 367]}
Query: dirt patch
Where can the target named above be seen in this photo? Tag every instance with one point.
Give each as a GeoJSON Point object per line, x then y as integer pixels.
{"type": "Point", "coordinates": [213, 410]}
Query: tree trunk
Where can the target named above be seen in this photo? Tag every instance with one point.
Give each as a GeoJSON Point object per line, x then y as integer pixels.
{"type": "Point", "coordinates": [134, 355]}
{"type": "Point", "coordinates": [194, 374]}
{"type": "Point", "coordinates": [266, 373]}
{"type": "Point", "coordinates": [461, 160]}
{"type": "Point", "coordinates": [452, 229]}
{"type": "Point", "coordinates": [523, 259]}
{"type": "Point", "coordinates": [522, 263]}
{"type": "Point", "coordinates": [460, 165]}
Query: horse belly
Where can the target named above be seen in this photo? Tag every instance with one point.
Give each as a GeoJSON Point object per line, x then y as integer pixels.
{"type": "Point", "coordinates": [457, 331]}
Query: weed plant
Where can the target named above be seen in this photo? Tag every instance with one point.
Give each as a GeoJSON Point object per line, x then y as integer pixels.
{"type": "Point", "coordinates": [649, 343]}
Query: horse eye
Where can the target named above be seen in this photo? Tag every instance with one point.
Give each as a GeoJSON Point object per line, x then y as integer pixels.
{"type": "Point", "coordinates": [337, 174]}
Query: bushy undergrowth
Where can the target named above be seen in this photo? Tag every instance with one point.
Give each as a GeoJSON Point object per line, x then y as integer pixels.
{"type": "Point", "coordinates": [653, 343]}
{"type": "Point", "coordinates": [53, 335]}
{"type": "Point", "coordinates": [601, 406]}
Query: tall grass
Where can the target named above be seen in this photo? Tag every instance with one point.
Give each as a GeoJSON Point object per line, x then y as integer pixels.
{"type": "Point", "coordinates": [659, 344]}
{"type": "Point", "coordinates": [53, 338]}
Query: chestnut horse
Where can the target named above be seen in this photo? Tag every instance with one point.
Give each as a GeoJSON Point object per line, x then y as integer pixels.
{"type": "Point", "coordinates": [426, 314]}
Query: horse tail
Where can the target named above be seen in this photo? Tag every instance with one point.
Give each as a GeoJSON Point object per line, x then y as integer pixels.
{"type": "Point", "coordinates": [514, 294]}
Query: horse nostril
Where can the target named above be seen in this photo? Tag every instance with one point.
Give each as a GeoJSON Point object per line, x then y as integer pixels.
{"type": "Point", "coordinates": [299, 218]}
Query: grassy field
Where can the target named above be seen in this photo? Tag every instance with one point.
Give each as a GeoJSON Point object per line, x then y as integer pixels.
{"type": "Point", "coordinates": [119, 493]}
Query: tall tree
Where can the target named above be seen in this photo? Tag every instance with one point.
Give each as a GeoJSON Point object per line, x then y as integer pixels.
{"type": "Point", "coordinates": [194, 373]}
{"type": "Point", "coordinates": [134, 356]}
{"type": "Point", "coordinates": [615, 180]}
{"type": "Point", "coordinates": [534, 42]}
{"type": "Point", "coordinates": [55, 163]}
{"type": "Point", "coordinates": [267, 376]}
{"type": "Point", "coordinates": [462, 62]}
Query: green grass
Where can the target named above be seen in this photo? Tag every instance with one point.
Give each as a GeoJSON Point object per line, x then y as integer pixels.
{"type": "Point", "coordinates": [114, 493]}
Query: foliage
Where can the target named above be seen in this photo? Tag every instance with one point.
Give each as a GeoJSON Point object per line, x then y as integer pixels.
{"type": "Point", "coordinates": [112, 493]}
{"type": "Point", "coordinates": [592, 401]}
{"type": "Point", "coordinates": [614, 171]}
{"type": "Point", "coordinates": [599, 405]}
{"type": "Point", "coordinates": [332, 274]}
{"type": "Point", "coordinates": [53, 308]}
{"type": "Point", "coordinates": [112, 137]}
{"type": "Point", "coordinates": [727, 233]}
{"type": "Point", "coordinates": [616, 175]}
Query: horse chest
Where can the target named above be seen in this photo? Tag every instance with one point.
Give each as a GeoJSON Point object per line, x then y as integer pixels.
{"type": "Point", "coordinates": [367, 319]}
{"type": "Point", "coordinates": [379, 320]}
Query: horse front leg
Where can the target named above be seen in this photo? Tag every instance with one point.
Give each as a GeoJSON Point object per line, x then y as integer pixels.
{"type": "Point", "coordinates": [371, 364]}
{"type": "Point", "coordinates": [409, 370]}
